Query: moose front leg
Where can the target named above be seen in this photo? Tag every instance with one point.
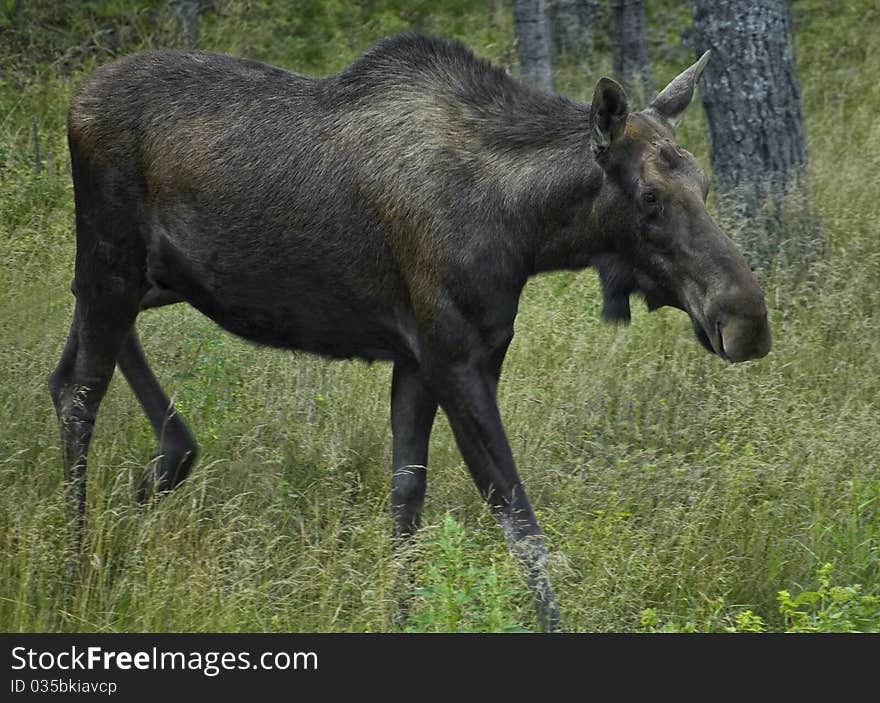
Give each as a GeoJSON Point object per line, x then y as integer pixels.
{"type": "Point", "coordinates": [466, 391]}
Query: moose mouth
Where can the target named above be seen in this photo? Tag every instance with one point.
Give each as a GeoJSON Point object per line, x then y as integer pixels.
{"type": "Point", "coordinates": [720, 349]}
{"type": "Point", "coordinates": [735, 340]}
{"type": "Point", "coordinates": [713, 344]}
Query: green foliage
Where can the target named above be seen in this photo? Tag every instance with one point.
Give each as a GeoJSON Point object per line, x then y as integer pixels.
{"type": "Point", "coordinates": [712, 616]}
{"type": "Point", "coordinates": [321, 37]}
{"type": "Point", "coordinates": [458, 593]}
{"type": "Point", "coordinates": [831, 608]}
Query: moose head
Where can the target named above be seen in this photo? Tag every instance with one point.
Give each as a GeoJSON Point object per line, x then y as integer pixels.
{"type": "Point", "coordinates": [662, 242]}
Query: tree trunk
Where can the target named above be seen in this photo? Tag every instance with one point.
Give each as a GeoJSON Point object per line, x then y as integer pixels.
{"type": "Point", "coordinates": [750, 93]}
{"type": "Point", "coordinates": [530, 26]}
{"type": "Point", "coordinates": [188, 14]}
{"type": "Point", "coordinates": [572, 27]}
{"type": "Point", "coordinates": [630, 49]}
{"type": "Point", "coordinates": [496, 13]}
{"type": "Point", "coordinates": [18, 15]}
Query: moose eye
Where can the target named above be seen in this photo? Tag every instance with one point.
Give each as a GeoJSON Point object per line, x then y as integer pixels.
{"type": "Point", "coordinates": [652, 203]}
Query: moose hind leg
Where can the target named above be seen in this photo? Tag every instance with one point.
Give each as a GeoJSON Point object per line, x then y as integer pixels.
{"type": "Point", "coordinates": [77, 386]}
{"type": "Point", "coordinates": [412, 415]}
{"type": "Point", "coordinates": [177, 448]}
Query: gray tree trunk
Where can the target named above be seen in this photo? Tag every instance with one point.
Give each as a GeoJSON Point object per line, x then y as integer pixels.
{"type": "Point", "coordinates": [188, 13]}
{"type": "Point", "coordinates": [496, 13]}
{"type": "Point", "coordinates": [752, 101]}
{"type": "Point", "coordinates": [630, 48]}
{"type": "Point", "coordinates": [18, 14]}
{"type": "Point", "coordinates": [530, 26]}
{"type": "Point", "coordinates": [572, 26]}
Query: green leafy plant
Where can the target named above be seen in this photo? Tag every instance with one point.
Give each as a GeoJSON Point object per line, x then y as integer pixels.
{"type": "Point", "coordinates": [457, 595]}
{"type": "Point", "coordinates": [713, 615]}
{"type": "Point", "coordinates": [830, 608]}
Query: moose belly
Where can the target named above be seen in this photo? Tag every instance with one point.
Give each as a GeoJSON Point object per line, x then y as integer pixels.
{"type": "Point", "coordinates": [282, 304]}
{"type": "Point", "coordinates": [313, 323]}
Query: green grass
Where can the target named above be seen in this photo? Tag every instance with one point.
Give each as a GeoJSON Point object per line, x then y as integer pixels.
{"type": "Point", "coordinates": [677, 492]}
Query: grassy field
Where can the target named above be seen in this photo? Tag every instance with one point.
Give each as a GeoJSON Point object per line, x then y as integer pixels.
{"type": "Point", "coordinates": [677, 492]}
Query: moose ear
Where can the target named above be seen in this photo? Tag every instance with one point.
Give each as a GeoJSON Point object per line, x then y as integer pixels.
{"type": "Point", "coordinates": [608, 113]}
{"type": "Point", "coordinates": [674, 99]}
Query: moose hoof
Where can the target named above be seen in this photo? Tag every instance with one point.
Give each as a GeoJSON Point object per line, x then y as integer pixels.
{"type": "Point", "coordinates": [165, 473]}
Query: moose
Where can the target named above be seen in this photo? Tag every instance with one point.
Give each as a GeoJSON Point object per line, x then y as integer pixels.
{"type": "Point", "coordinates": [392, 211]}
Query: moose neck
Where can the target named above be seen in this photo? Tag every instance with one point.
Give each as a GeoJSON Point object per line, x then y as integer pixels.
{"type": "Point", "coordinates": [540, 150]}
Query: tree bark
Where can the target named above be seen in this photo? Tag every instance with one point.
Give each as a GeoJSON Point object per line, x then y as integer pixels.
{"type": "Point", "coordinates": [496, 13]}
{"type": "Point", "coordinates": [18, 14]}
{"type": "Point", "coordinates": [530, 26]}
{"type": "Point", "coordinates": [630, 48]}
{"type": "Point", "coordinates": [751, 96]}
{"type": "Point", "coordinates": [188, 14]}
{"type": "Point", "coordinates": [572, 27]}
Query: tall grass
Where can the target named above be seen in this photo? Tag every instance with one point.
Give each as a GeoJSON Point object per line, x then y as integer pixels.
{"type": "Point", "coordinates": [664, 479]}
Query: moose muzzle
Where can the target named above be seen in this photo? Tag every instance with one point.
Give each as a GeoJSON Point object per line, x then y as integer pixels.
{"type": "Point", "coordinates": [736, 325]}
{"type": "Point", "coordinates": [740, 337]}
